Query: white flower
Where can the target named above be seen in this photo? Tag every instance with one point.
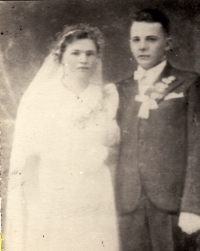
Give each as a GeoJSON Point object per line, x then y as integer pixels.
{"type": "Point", "coordinates": [160, 87]}
{"type": "Point", "coordinates": [141, 98]}
{"type": "Point", "coordinates": [168, 80]}
{"type": "Point", "coordinates": [172, 78]}
{"type": "Point", "coordinates": [156, 95]}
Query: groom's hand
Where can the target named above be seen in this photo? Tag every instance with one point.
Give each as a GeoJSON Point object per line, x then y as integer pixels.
{"type": "Point", "coordinates": [189, 222]}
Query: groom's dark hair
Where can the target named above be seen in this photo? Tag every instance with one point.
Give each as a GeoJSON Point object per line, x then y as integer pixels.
{"type": "Point", "coordinates": [153, 16]}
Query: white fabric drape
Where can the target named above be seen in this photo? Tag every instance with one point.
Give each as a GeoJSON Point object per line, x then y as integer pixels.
{"type": "Point", "coordinates": [60, 195]}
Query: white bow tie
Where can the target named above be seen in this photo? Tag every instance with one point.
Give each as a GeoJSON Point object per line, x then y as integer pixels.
{"type": "Point", "coordinates": [139, 74]}
{"type": "Point", "coordinates": [147, 104]}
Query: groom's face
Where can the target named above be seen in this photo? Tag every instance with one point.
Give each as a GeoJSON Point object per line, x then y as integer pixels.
{"type": "Point", "coordinates": [148, 43]}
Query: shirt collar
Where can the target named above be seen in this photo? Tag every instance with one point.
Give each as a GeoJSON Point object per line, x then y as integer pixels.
{"type": "Point", "coordinates": [153, 73]}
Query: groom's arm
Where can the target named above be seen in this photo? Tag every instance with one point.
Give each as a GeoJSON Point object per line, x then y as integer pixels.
{"type": "Point", "coordinates": [190, 217]}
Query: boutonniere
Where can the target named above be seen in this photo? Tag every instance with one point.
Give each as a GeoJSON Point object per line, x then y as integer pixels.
{"type": "Point", "coordinates": [156, 92]}
{"type": "Point", "coordinates": [158, 89]}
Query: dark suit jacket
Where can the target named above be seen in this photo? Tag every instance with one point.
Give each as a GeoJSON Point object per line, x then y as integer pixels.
{"type": "Point", "coordinates": [161, 154]}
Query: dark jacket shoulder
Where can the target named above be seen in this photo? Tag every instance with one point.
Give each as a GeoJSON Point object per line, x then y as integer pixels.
{"type": "Point", "coordinates": [125, 81]}
{"type": "Point", "coordinates": [185, 74]}
{"type": "Point", "coordinates": [124, 85]}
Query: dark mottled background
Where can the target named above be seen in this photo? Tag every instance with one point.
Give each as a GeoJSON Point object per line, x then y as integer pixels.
{"type": "Point", "coordinates": [27, 28]}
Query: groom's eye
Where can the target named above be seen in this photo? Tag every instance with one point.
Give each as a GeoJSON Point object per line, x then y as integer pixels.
{"type": "Point", "coordinates": [152, 39]}
{"type": "Point", "coordinates": [135, 39]}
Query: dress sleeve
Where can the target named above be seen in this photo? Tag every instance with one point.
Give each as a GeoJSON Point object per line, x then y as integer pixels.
{"type": "Point", "coordinates": [113, 131]}
{"type": "Point", "coordinates": [112, 102]}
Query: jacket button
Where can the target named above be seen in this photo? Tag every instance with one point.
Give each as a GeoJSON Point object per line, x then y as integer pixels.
{"type": "Point", "coordinates": [141, 129]}
{"type": "Point", "coordinates": [141, 141]}
{"type": "Point", "coordinates": [141, 165]}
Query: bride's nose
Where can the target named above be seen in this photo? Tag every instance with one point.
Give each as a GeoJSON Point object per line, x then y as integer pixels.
{"type": "Point", "coordinates": [83, 58]}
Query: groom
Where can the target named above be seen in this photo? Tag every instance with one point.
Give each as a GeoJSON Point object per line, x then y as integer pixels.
{"type": "Point", "coordinates": [158, 171]}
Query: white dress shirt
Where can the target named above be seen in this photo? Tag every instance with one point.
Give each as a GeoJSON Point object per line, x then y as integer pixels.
{"type": "Point", "coordinates": [146, 78]}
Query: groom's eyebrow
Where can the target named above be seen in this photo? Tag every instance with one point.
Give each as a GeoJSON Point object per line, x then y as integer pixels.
{"type": "Point", "coordinates": [84, 51]}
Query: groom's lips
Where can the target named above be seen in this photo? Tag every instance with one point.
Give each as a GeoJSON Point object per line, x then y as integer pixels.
{"type": "Point", "coordinates": [83, 68]}
{"type": "Point", "coordinates": [143, 56]}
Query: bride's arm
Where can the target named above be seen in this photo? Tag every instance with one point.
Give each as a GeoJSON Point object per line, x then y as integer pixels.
{"type": "Point", "coordinates": [113, 131]}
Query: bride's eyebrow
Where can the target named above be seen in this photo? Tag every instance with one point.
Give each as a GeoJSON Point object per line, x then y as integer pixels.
{"type": "Point", "coordinates": [90, 51]}
{"type": "Point", "coordinates": [76, 50]}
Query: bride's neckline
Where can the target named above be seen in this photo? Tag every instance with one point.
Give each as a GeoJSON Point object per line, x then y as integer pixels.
{"type": "Point", "coordinates": [90, 90]}
{"type": "Point", "coordinates": [77, 94]}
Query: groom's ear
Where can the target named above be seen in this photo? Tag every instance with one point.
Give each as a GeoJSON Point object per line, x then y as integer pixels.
{"type": "Point", "coordinates": [169, 43]}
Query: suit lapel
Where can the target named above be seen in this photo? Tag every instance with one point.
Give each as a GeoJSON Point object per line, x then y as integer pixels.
{"type": "Point", "coordinates": [130, 106]}
{"type": "Point", "coordinates": [131, 88]}
{"type": "Point", "coordinates": [167, 72]}
{"type": "Point", "coordinates": [131, 93]}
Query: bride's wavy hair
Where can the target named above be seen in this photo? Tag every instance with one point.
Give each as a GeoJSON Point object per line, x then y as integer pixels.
{"type": "Point", "coordinates": [76, 32]}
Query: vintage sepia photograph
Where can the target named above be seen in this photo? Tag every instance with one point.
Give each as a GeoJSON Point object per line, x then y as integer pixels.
{"type": "Point", "coordinates": [100, 125]}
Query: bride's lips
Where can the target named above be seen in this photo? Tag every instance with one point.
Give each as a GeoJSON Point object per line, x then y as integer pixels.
{"type": "Point", "coordinates": [143, 56]}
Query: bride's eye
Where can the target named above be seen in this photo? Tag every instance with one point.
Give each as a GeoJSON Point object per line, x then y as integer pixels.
{"type": "Point", "coordinates": [90, 53]}
{"type": "Point", "coordinates": [76, 53]}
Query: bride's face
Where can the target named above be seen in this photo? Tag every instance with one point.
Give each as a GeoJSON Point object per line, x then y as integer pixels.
{"type": "Point", "coordinates": [80, 58]}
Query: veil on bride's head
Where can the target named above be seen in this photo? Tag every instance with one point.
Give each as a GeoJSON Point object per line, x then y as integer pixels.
{"type": "Point", "coordinates": [73, 33]}
{"type": "Point", "coordinates": [52, 68]}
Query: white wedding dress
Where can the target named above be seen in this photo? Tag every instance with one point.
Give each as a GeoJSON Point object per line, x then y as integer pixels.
{"type": "Point", "coordinates": [60, 190]}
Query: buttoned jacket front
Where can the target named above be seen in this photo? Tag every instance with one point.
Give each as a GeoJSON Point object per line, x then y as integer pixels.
{"type": "Point", "coordinates": [160, 155]}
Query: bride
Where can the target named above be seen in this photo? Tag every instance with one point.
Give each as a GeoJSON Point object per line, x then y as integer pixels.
{"type": "Point", "coordinates": [60, 194]}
